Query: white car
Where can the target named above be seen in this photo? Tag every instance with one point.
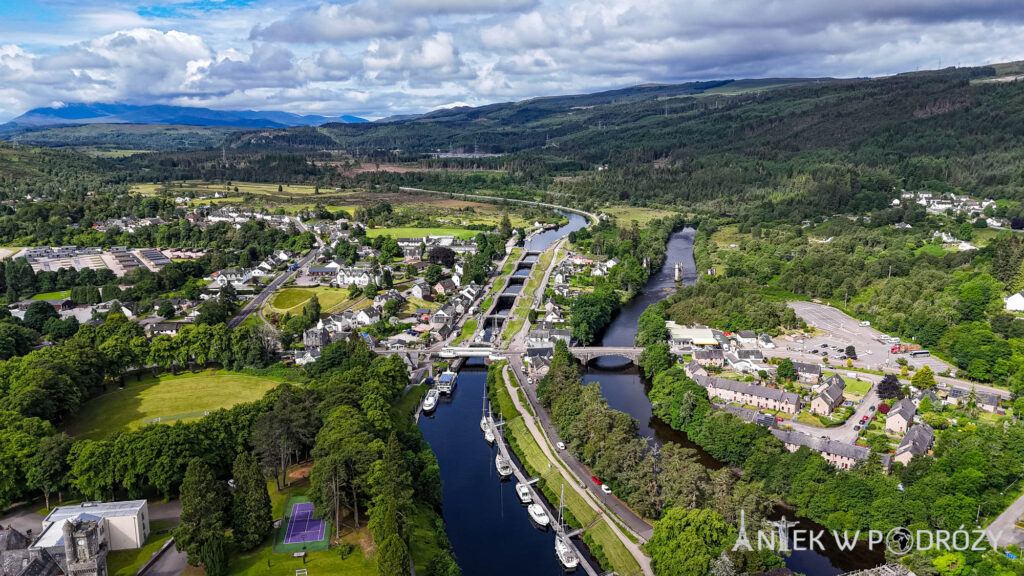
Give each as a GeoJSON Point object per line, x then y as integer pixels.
{"type": "Point", "coordinates": [560, 445]}
{"type": "Point", "coordinates": [606, 489]}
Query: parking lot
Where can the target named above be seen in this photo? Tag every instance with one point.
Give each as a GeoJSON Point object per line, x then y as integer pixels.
{"type": "Point", "coordinates": [842, 330]}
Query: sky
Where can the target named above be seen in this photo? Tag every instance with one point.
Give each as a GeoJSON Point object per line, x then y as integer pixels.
{"type": "Point", "coordinates": [376, 58]}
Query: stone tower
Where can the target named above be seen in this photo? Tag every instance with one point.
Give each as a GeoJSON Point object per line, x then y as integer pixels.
{"type": "Point", "coordinates": [85, 548]}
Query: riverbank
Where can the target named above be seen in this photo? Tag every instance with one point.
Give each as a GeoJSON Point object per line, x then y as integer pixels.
{"type": "Point", "coordinates": [606, 539]}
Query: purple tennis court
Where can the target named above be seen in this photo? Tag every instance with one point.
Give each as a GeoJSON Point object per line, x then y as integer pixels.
{"type": "Point", "coordinates": [302, 526]}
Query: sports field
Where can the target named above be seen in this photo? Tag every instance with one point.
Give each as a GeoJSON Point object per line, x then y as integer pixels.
{"type": "Point", "coordinates": [166, 399]}
{"type": "Point", "coordinates": [294, 298]}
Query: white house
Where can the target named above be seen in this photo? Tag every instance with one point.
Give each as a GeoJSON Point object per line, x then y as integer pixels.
{"type": "Point", "coordinates": [1014, 303]}
{"type": "Point", "coordinates": [357, 276]}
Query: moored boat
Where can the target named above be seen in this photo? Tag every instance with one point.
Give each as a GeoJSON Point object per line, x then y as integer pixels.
{"type": "Point", "coordinates": [523, 491]}
{"type": "Point", "coordinates": [430, 401]}
{"type": "Point", "coordinates": [502, 466]}
{"type": "Point", "coordinates": [539, 515]}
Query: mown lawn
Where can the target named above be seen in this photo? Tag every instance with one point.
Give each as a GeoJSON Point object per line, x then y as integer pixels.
{"type": "Point", "coordinates": [186, 396]}
{"type": "Point", "coordinates": [292, 299]}
{"type": "Point", "coordinates": [52, 295]}
{"type": "Point", "coordinates": [622, 562]}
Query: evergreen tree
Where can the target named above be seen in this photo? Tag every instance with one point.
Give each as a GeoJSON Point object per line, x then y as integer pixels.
{"type": "Point", "coordinates": [311, 310]}
{"type": "Point", "coordinates": [202, 511]}
{"type": "Point", "coordinates": [215, 560]}
{"type": "Point", "coordinates": [393, 557]}
{"type": "Point", "coordinates": [251, 516]}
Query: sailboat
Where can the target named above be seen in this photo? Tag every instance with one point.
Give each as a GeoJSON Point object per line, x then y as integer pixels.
{"type": "Point", "coordinates": [563, 547]}
{"type": "Point", "coordinates": [502, 466]}
{"type": "Point", "coordinates": [485, 426]}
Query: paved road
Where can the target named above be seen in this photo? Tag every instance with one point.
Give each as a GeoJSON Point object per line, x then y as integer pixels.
{"type": "Point", "coordinates": [635, 523]}
{"type": "Point", "coordinates": [588, 497]}
{"type": "Point", "coordinates": [841, 330]}
{"type": "Point", "coordinates": [24, 519]}
{"type": "Point", "coordinates": [172, 563]}
{"type": "Point", "coordinates": [1005, 523]}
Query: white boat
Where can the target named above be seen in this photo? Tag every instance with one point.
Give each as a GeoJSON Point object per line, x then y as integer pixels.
{"type": "Point", "coordinates": [446, 382]}
{"type": "Point", "coordinates": [489, 436]}
{"type": "Point", "coordinates": [483, 424]}
{"type": "Point", "coordinates": [566, 554]}
{"type": "Point", "coordinates": [563, 547]}
{"type": "Point", "coordinates": [430, 402]}
{"type": "Point", "coordinates": [523, 491]}
{"type": "Point", "coordinates": [503, 467]}
{"type": "Point", "coordinates": [539, 515]}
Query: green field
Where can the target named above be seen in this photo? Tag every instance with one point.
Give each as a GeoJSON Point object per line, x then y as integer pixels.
{"type": "Point", "coordinates": [627, 214]}
{"type": "Point", "coordinates": [170, 398]}
{"type": "Point", "coordinates": [52, 295]}
{"type": "Point", "coordinates": [420, 232]}
{"type": "Point", "coordinates": [294, 298]}
{"type": "Point", "coordinates": [932, 250]}
{"type": "Point", "coordinates": [199, 188]}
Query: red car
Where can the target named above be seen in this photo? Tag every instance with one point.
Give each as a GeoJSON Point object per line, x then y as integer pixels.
{"type": "Point", "coordinates": [779, 418]}
{"type": "Point", "coordinates": [596, 481]}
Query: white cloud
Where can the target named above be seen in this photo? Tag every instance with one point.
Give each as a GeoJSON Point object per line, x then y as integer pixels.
{"type": "Point", "coordinates": [382, 57]}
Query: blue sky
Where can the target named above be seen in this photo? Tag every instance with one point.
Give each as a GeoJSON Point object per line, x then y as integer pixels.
{"type": "Point", "coordinates": [375, 58]}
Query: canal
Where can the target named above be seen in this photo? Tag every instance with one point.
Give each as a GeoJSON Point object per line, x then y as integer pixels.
{"type": "Point", "coordinates": [625, 390]}
{"type": "Point", "coordinates": [490, 531]}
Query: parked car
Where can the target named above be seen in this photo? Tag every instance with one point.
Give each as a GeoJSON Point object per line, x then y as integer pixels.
{"type": "Point", "coordinates": [606, 489]}
{"type": "Point", "coordinates": [779, 419]}
{"type": "Point", "coordinates": [560, 445]}
{"type": "Point", "coordinates": [596, 481]}
{"type": "Point", "coordinates": [856, 428]}
{"type": "Point", "coordinates": [872, 408]}
{"type": "Point", "coordinates": [815, 351]}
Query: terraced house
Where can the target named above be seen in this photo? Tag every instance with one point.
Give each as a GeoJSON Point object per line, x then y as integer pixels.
{"type": "Point", "coordinates": [760, 397]}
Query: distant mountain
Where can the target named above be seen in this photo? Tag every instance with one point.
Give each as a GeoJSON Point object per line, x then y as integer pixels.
{"type": "Point", "coordinates": [101, 113]}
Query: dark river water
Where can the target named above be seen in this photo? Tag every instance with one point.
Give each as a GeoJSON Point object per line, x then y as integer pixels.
{"type": "Point", "coordinates": [625, 390]}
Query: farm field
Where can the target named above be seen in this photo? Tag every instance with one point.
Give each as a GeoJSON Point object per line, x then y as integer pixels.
{"type": "Point", "coordinates": [627, 214]}
{"type": "Point", "coordinates": [294, 298]}
{"type": "Point", "coordinates": [420, 232]}
{"type": "Point", "coordinates": [167, 398]}
{"type": "Point", "coordinates": [199, 188]}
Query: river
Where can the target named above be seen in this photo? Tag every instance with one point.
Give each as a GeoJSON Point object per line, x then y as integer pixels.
{"type": "Point", "coordinates": [625, 390]}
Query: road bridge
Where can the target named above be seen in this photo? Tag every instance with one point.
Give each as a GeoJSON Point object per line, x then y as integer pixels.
{"type": "Point", "coordinates": [587, 353]}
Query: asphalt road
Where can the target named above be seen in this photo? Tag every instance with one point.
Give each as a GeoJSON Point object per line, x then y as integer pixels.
{"type": "Point", "coordinates": [254, 304]}
{"type": "Point", "coordinates": [1005, 523]}
{"type": "Point", "coordinates": [635, 523]}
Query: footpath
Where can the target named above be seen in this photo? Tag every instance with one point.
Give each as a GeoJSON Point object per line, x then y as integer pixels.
{"type": "Point", "coordinates": [531, 424]}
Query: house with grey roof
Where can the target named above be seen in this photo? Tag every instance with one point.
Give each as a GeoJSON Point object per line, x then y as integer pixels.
{"type": "Point", "coordinates": [984, 400]}
{"type": "Point", "coordinates": [839, 454]}
{"type": "Point", "coordinates": [830, 397]}
{"type": "Point", "coordinates": [918, 441]}
{"type": "Point", "coordinates": [712, 357]}
{"type": "Point", "coordinates": [900, 416]}
{"type": "Point", "coordinates": [760, 397]}
{"type": "Point", "coordinates": [807, 373]}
